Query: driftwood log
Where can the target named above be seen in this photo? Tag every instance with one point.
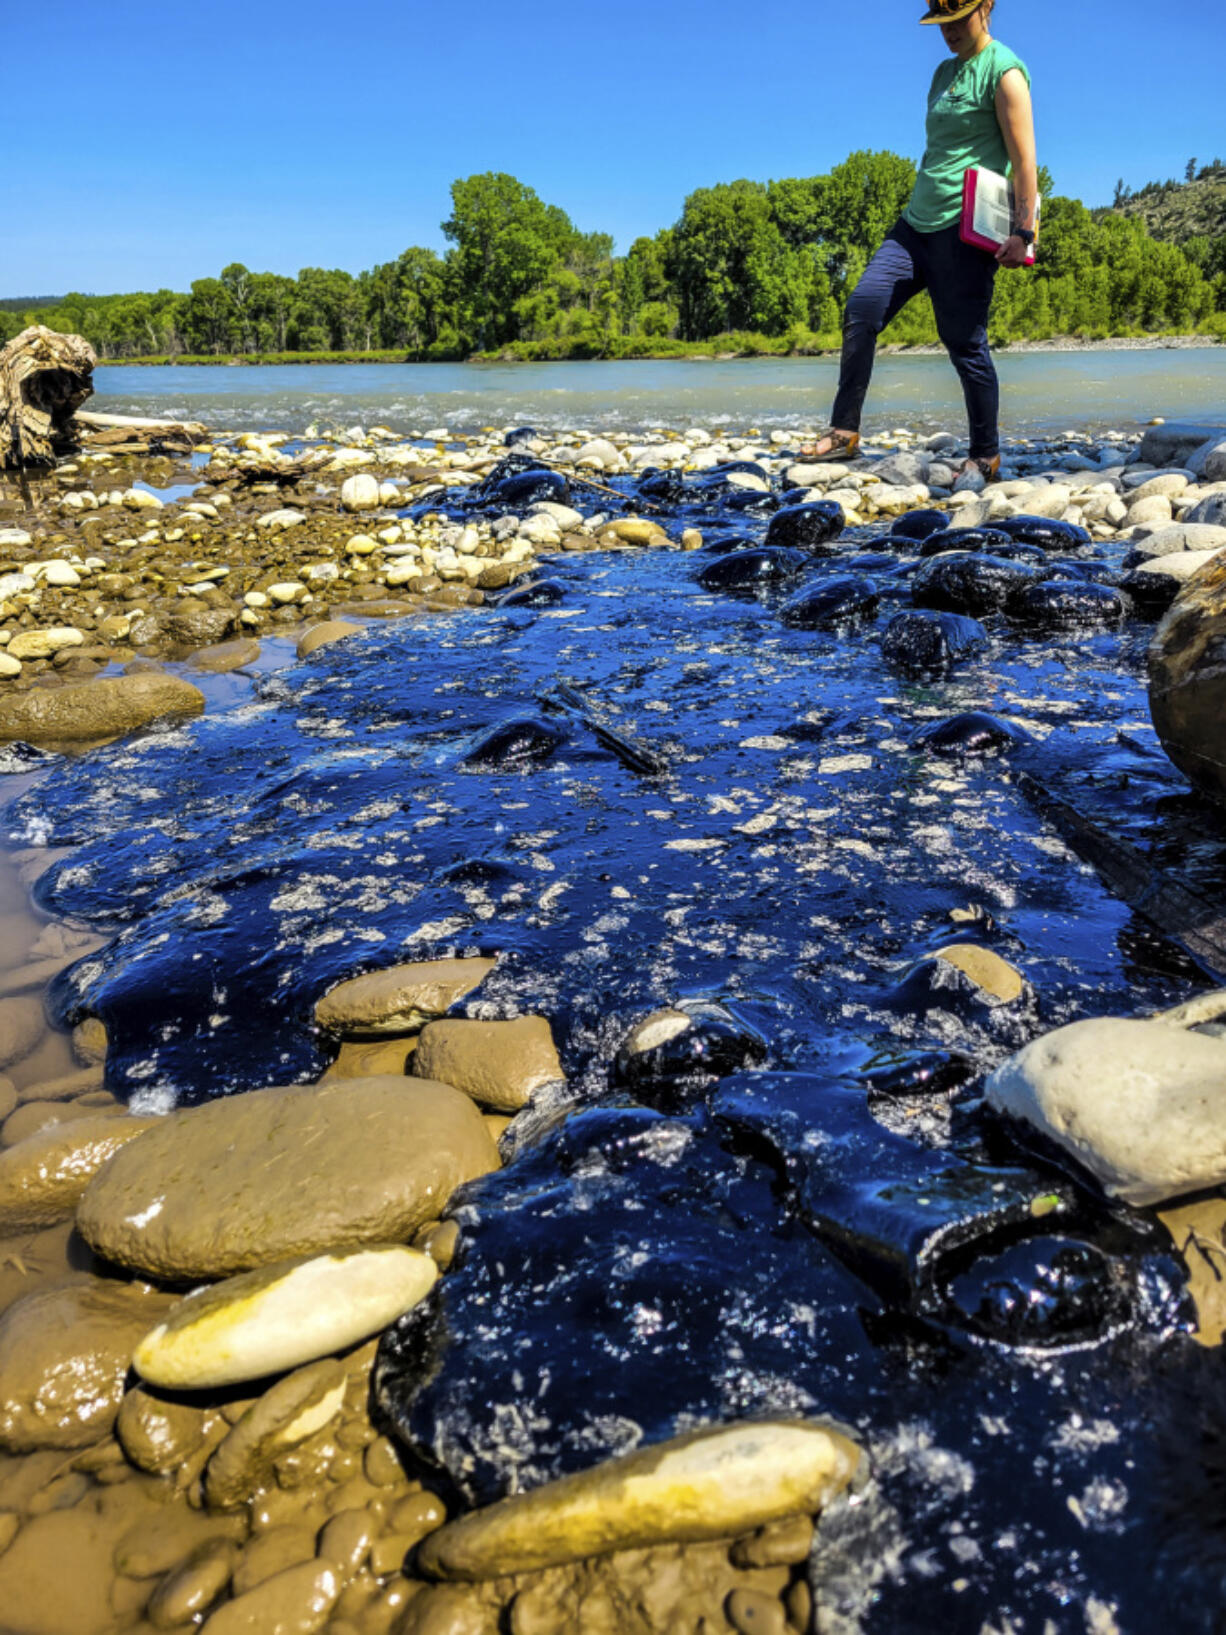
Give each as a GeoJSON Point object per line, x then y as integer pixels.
{"type": "Point", "coordinates": [129, 433]}
{"type": "Point", "coordinates": [44, 379]}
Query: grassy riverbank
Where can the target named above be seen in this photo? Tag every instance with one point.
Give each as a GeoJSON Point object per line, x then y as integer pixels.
{"type": "Point", "coordinates": [720, 347]}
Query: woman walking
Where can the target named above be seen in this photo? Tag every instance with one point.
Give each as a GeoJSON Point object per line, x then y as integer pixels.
{"type": "Point", "coordinates": [979, 113]}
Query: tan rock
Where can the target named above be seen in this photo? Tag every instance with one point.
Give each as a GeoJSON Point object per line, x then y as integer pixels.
{"type": "Point", "coordinates": [279, 1317]}
{"type": "Point", "coordinates": [32, 1117]}
{"type": "Point", "coordinates": [160, 1434]}
{"type": "Point", "coordinates": [43, 1177]}
{"type": "Point", "coordinates": [401, 997]}
{"type": "Point", "coordinates": [41, 644]}
{"type": "Point", "coordinates": [193, 1587]}
{"type": "Point", "coordinates": [271, 1553]}
{"type": "Point", "coordinates": [223, 657]}
{"type": "Point", "coordinates": [324, 633]}
{"type": "Point", "coordinates": [64, 1354]}
{"type": "Point", "coordinates": [989, 973]}
{"type": "Point", "coordinates": [705, 1485]}
{"type": "Point", "coordinates": [295, 1409]}
{"type": "Point", "coordinates": [252, 1179]}
{"type": "Point", "coordinates": [295, 1602]}
{"type": "Point", "coordinates": [97, 709]}
{"type": "Point", "coordinates": [89, 1041]}
{"type": "Point", "coordinates": [22, 1025]}
{"type": "Point", "coordinates": [1187, 680]}
{"type": "Point", "coordinates": [499, 1064]}
{"type": "Point", "coordinates": [635, 531]}
{"type": "Point", "coordinates": [371, 1058]}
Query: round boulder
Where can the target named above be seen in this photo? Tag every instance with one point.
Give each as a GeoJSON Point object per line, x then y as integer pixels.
{"type": "Point", "coordinates": [97, 709]}
{"type": "Point", "coordinates": [1187, 680]}
{"type": "Point", "coordinates": [807, 527]}
{"type": "Point", "coordinates": [256, 1178]}
{"type": "Point", "coordinates": [64, 1354]}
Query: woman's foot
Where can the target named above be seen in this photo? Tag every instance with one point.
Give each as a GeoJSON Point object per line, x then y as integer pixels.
{"type": "Point", "coordinates": [831, 445]}
{"type": "Point", "coordinates": [977, 472]}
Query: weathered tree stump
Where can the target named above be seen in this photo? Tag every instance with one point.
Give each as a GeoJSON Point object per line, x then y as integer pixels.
{"type": "Point", "coordinates": [44, 379]}
{"type": "Point", "coordinates": [1187, 679]}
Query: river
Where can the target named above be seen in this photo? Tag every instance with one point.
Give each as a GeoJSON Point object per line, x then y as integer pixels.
{"type": "Point", "coordinates": [1041, 391]}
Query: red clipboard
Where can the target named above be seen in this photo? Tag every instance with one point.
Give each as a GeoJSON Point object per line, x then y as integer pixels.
{"type": "Point", "coordinates": [976, 183]}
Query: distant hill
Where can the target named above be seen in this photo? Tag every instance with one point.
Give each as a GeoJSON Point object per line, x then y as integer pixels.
{"type": "Point", "coordinates": [1177, 211]}
{"type": "Point", "coordinates": [29, 303]}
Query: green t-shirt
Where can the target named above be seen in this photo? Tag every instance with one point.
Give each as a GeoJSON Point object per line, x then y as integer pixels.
{"type": "Point", "coordinates": [962, 130]}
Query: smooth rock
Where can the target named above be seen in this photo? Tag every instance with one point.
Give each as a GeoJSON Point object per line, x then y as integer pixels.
{"type": "Point", "coordinates": [282, 1316]}
{"type": "Point", "coordinates": [401, 997]}
{"type": "Point", "coordinates": [1210, 511]}
{"type": "Point", "coordinates": [370, 1058]}
{"type": "Point", "coordinates": [323, 634]}
{"type": "Point", "coordinates": [1172, 442]}
{"type": "Point", "coordinates": [41, 644]}
{"type": "Point", "coordinates": [360, 492]}
{"type": "Point", "coordinates": [295, 1602]}
{"type": "Point", "coordinates": [276, 522]}
{"type": "Point", "coordinates": [162, 1435]}
{"type": "Point", "coordinates": [1187, 679]}
{"type": "Point", "coordinates": [295, 1409]}
{"type": "Point", "coordinates": [707, 1485]}
{"type": "Point", "coordinates": [97, 709]}
{"type": "Point", "coordinates": [43, 1177]}
{"type": "Point", "coordinates": [223, 657]}
{"type": "Point", "coordinates": [64, 1354]}
{"type": "Point", "coordinates": [499, 1064]}
{"type": "Point", "coordinates": [921, 642]}
{"type": "Point", "coordinates": [22, 1025]}
{"type": "Point", "coordinates": [1140, 1104]}
{"type": "Point", "coordinates": [260, 1177]}
{"type": "Point", "coordinates": [1178, 537]}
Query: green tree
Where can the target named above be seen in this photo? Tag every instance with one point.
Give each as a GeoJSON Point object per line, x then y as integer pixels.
{"type": "Point", "coordinates": [506, 242]}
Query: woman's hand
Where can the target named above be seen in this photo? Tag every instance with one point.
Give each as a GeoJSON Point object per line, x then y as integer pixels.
{"type": "Point", "coordinates": [1012, 252]}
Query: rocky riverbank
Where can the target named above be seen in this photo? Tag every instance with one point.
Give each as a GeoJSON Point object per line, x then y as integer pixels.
{"type": "Point", "coordinates": [270, 1462]}
{"type": "Point", "coordinates": [122, 559]}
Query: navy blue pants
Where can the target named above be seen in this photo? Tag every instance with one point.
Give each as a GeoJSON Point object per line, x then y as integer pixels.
{"type": "Point", "coordinates": [959, 279]}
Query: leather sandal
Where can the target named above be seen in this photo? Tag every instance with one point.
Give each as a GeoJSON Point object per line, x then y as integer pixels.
{"type": "Point", "coordinates": [843, 446]}
{"type": "Point", "coordinates": [987, 466]}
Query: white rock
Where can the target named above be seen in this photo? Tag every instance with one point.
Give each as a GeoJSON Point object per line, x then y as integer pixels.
{"type": "Point", "coordinates": [360, 493]}
{"type": "Point", "coordinates": [321, 573]}
{"type": "Point", "coordinates": [361, 545]}
{"type": "Point", "coordinates": [601, 451]}
{"type": "Point", "coordinates": [9, 666]}
{"type": "Point", "coordinates": [1140, 1104]}
{"type": "Point", "coordinates": [389, 494]}
{"type": "Point", "coordinates": [41, 644]}
{"type": "Point", "coordinates": [1153, 508]}
{"type": "Point", "coordinates": [565, 518]}
{"type": "Point", "coordinates": [15, 584]}
{"type": "Point", "coordinates": [276, 522]}
{"type": "Point", "coordinates": [286, 591]}
{"type": "Point", "coordinates": [140, 499]}
{"type": "Point", "coordinates": [540, 530]}
{"type": "Point", "coordinates": [1045, 500]}
{"type": "Point", "coordinates": [282, 1316]}
{"type": "Point", "coordinates": [346, 458]}
{"type": "Point", "coordinates": [255, 598]}
{"type": "Point", "coordinates": [1178, 565]}
{"type": "Point", "coordinates": [440, 434]}
{"type": "Point", "coordinates": [14, 538]}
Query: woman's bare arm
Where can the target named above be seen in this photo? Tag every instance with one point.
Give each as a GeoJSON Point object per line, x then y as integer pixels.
{"type": "Point", "coordinates": [1015, 115]}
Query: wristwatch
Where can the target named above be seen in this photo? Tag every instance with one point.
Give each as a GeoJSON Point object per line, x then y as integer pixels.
{"type": "Point", "coordinates": [1026, 234]}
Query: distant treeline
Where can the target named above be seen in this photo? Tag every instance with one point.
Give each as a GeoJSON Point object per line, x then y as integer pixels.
{"type": "Point", "coordinates": [765, 264]}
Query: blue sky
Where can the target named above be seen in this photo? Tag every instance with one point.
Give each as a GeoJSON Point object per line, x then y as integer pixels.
{"type": "Point", "coordinates": [174, 140]}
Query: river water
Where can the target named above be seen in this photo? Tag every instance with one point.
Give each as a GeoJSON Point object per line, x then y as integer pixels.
{"type": "Point", "coordinates": [1047, 391]}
